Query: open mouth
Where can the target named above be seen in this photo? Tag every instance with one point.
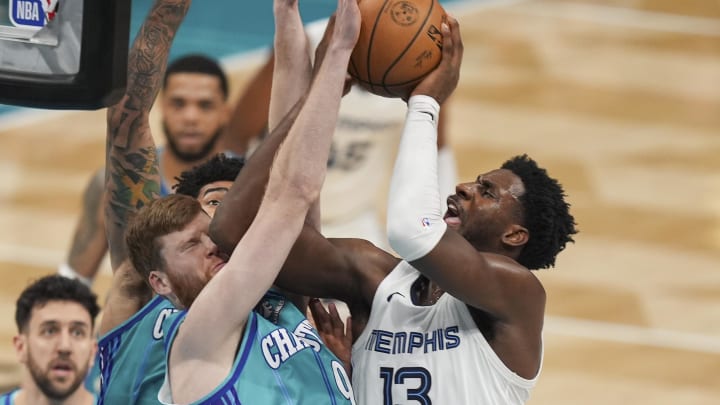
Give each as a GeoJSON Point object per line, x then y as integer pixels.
{"type": "Point", "coordinates": [452, 215]}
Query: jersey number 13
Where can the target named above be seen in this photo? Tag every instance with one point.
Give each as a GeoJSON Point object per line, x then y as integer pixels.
{"type": "Point", "coordinates": [420, 375]}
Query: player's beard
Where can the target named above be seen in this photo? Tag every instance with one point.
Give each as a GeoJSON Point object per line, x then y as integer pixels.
{"type": "Point", "coordinates": [47, 386]}
{"type": "Point", "coordinates": [191, 157]}
{"type": "Point", "coordinates": [186, 287]}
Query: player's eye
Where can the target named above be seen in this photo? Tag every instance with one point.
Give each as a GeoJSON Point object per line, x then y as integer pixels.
{"type": "Point", "coordinates": [78, 332]}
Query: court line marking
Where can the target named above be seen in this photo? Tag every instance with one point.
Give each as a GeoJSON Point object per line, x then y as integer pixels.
{"type": "Point", "coordinates": [31, 256]}
{"type": "Point", "coordinates": [629, 334]}
{"type": "Point", "coordinates": [624, 17]}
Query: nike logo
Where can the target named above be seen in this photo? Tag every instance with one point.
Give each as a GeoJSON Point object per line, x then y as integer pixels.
{"type": "Point", "coordinates": [432, 117]}
{"type": "Point", "coordinates": [391, 295]}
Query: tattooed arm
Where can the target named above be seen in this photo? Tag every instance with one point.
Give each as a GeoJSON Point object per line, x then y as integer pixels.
{"type": "Point", "coordinates": [132, 177]}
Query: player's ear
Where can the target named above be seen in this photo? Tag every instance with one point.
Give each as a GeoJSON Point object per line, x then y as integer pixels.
{"type": "Point", "coordinates": [20, 344]}
{"type": "Point", "coordinates": [516, 235]}
{"type": "Point", "coordinates": [159, 282]}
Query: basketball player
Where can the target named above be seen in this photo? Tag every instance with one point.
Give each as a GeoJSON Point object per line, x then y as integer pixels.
{"type": "Point", "coordinates": [463, 297]}
{"type": "Point", "coordinates": [128, 357]}
{"type": "Point", "coordinates": [131, 356]}
{"type": "Point", "coordinates": [131, 353]}
{"type": "Point", "coordinates": [55, 317]}
{"type": "Point", "coordinates": [242, 356]}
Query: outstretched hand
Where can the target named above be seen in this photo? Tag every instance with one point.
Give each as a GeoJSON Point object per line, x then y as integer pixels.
{"type": "Point", "coordinates": [342, 31]}
{"type": "Point", "coordinates": [337, 338]}
{"type": "Point", "coordinates": [442, 81]}
{"type": "Point", "coordinates": [347, 24]}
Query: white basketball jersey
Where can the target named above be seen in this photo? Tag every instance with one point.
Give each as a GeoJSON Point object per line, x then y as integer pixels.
{"type": "Point", "coordinates": [411, 354]}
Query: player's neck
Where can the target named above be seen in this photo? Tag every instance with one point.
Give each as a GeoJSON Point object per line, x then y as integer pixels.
{"type": "Point", "coordinates": [30, 394]}
{"type": "Point", "coordinates": [425, 292]}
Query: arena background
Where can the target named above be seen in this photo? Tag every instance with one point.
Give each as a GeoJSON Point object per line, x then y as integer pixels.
{"type": "Point", "coordinates": [620, 99]}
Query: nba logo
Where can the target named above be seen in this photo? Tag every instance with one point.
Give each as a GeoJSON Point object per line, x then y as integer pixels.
{"type": "Point", "coordinates": [425, 222]}
{"type": "Point", "coordinates": [33, 14]}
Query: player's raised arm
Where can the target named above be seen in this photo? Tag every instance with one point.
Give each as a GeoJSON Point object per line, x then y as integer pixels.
{"type": "Point", "coordinates": [496, 228]}
{"type": "Point", "coordinates": [132, 178]}
{"type": "Point", "coordinates": [206, 344]}
{"type": "Point", "coordinates": [416, 228]}
{"type": "Point", "coordinates": [292, 71]}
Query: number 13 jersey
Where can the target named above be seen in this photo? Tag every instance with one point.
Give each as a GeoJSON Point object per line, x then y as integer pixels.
{"type": "Point", "coordinates": [410, 354]}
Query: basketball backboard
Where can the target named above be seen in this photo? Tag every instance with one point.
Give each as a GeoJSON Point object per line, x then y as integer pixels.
{"type": "Point", "coordinates": [63, 54]}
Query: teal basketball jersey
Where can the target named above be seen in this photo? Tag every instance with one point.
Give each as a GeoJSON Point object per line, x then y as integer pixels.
{"type": "Point", "coordinates": [8, 398]}
{"type": "Point", "coordinates": [281, 360]}
{"type": "Point", "coordinates": [131, 357]}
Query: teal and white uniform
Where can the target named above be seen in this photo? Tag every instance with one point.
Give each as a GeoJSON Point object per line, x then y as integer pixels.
{"type": "Point", "coordinates": [280, 360]}
{"type": "Point", "coordinates": [131, 357]}
{"type": "Point", "coordinates": [8, 398]}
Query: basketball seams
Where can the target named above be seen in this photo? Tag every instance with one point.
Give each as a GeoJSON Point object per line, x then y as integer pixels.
{"type": "Point", "coordinates": [368, 54]}
{"type": "Point", "coordinates": [402, 57]}
{"type": "Point", "coordinates": [402, 54]}
{"type": "Point", "coordinates": [403, 84]}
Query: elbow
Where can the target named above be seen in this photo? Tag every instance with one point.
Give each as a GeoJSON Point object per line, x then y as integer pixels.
{"type": "Point", "coordinates": [399, 221]}
{"type": "Point", "coordinates": [302, 188]}
{"type": "Point", "coordinates": [397, 230]}
{"type": "Point", "coordinates": [413, 238]}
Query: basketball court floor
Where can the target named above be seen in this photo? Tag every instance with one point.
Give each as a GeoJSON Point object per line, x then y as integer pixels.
{"type": "Point", "coordinates": [619, 99]}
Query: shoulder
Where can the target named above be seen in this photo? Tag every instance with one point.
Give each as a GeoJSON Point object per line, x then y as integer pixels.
{"type": "Point", "coordinates": [147, 315]}
{"type": "Point", "coordinates": [363, 254]}
{"type": "Point", "coordinates": [370, 264]}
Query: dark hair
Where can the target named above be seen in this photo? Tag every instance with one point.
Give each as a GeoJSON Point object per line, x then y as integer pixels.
{"type": "Point", "coordinates": [219, 168]}
{"type": "Point", "coordinates": [546, 214]}
{"type": "Point", "coordinates": [198, 64]}
{"type": "Point", "coordinates": [158, 218]}
{"type": "Point", "coordinates": [54, 288]}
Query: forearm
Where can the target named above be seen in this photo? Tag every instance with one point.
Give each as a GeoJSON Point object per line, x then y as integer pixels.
{"type": "Point", "coordinates": [89, 243]}
{"type": "Point", "coordinates": [132, 178]}
{"type": "Point", "coordinates": [415, 223]}
{"type": "Point", "coordinates": [240, 205]}
{"type": "Point", "coordinates": [292, 71]}
{"type": "Point", "coordinates": [312, 132]}
{"type": "Point", "coordinates": [234, 216]}
{"type": "Point", "coordinates": [250, 116]}
{"type": "Point", "coordinates": [148, 55]}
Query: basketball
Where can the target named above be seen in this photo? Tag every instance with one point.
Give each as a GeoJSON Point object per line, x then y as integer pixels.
{"type": "Point", "coordinates": [400, 42]}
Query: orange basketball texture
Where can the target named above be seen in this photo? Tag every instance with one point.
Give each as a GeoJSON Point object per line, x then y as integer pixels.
{"type": "Point", "coordinates": [400, 43]}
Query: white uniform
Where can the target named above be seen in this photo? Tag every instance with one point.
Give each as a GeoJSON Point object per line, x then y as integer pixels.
{"type": "Point", "coordinates": [411, 354]}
